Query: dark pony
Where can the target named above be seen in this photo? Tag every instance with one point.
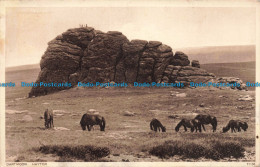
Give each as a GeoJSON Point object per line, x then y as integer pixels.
{"type": "Point", "coordinates": [235, 125]}
{"type": "Point", "coordinates": [48, 117]}
{"type": "Point", "coordinates": [156, 124]}
{"type": "Point", "coordinates": [89, 120]}
{"type": "Point", "coordinates": [207, 119]}
{"type": "Point", "coordinates": [193, 124]}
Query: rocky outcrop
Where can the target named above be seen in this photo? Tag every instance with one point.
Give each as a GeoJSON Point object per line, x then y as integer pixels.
{"type": "Point", "coordinates": [186, 74]}
{"type": "Point", "coordinates": [235, 83]}
{"type": "Point", "coordinates": [88, 55]}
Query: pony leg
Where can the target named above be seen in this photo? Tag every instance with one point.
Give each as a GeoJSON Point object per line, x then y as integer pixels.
{"type": "Point", "coordinates": [199, 127]}
{"type": "Point", "coordinates": [155, 129]}
{"type": "Point", "coordinates": [88, 128]}
{"type": "Point", "coordinates": [185, 128]}
{"type": "Point", "coordinates": [52, 122]}
{"type": "Point", "coordinates": [203, 127]}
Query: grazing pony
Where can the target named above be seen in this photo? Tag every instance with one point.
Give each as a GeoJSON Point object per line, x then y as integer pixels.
{"type": "Point", "coordinates": [89, 120]}
{"type": "Point", "coordinates": [235, 124]}
{"type": "Point", "coordinates": [193, 124]}
{"type": "Point", "coordinates": [48, 117]}
{"type": "Point", "coordinates": [207, 119]}
{"type": "Point", "coordinates": [156, 124]}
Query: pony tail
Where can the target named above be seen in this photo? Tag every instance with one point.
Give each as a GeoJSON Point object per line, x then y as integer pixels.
{"type": "Point", "coordinates": [103, 123]}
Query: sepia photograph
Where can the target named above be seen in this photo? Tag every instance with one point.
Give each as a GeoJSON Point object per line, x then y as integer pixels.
{"type": "Point", "coordinates": [167, 84]}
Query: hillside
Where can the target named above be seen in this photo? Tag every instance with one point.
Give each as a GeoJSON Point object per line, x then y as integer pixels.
{"type": "Point", "coordinates": [243, 70]}
{"type": "Point", "coordinates": [221, 54]}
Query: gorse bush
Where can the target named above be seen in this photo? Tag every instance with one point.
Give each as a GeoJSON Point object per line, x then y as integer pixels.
{"type": "Point", "coordinates": [213, 150]}
{"type": "Point", "coordinates": [86, 153]}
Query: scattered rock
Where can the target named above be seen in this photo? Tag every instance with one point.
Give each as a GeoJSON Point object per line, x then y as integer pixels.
{"type": "Point", "coordinates": [93, 111]}
{"type": "Point", "coordinates": [245, 98]}
{"type": "Point", "coordinates": [15, 111]}
{"type": "Point", "coordinates": [59, 111]}
{"type": "Point", "coordinates": [128, 113]}
{"type": "Point", "coordinates": [236, 82]}
{"type": "Point", "coordinates": [27, 118]}
{"type": "Point", "coordinates": [181, 95]}
{"type": "Point", "coordinates": [202, 105]}
{"type": "Point", "coordinates": [60, 128]}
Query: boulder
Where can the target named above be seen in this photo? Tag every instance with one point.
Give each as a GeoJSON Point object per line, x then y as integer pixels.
{"type": "Point", "coordinates": [180, 59]}
{"type": "Point", "coordinates": [195, 63]}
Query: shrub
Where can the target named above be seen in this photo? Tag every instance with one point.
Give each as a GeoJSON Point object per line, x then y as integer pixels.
{"type": "Point", "coordinates": [87, 153]}
{"type": "Point", "coordinates": [213, 150]}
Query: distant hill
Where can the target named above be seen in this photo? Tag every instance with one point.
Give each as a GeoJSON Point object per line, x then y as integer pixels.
{"type": "Point", "coordinates": [243, 70]}
{"type": "Point", "coordinates": [24, 67]}
{"type": "Point", "coordinates": [221, 54]}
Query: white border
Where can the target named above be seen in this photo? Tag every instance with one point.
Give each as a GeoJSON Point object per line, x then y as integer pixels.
{"type": "Point", "coordinates": [135, 3]}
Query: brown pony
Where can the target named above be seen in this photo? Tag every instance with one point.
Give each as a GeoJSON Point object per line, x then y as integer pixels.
{"type": "Point", "coordinates": [193, 124]}
{"type": "Point", "coordinates": [235, 124]}
{"type": "Point", "coordinates": [89, 120]}
{"type": "Point", "coordinates": [156, 124]}
{"type": "Point", "coordinates": [207, 119]}
{"type": "Point", "coordinates": [48, 117]}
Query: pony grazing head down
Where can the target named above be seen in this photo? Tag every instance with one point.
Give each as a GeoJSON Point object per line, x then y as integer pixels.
{"type": "Point", "coordinates": [88, 120]}
{"type": "Point", "coordinates": [225, 129]}
{"type": "Point", "coordinates": [244, 125]}
{"type": "Point", "coordinates": [163, 129]}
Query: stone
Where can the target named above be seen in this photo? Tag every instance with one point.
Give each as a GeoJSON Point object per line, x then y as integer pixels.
{"type": "Point", "coordinates": [195, 63]}
{"type": "Point", "coordinates": [128, 113]}
{"type": "Point", "coordinates": [180, 59]}
{"type": "Point", "coordinates": [27, 118]}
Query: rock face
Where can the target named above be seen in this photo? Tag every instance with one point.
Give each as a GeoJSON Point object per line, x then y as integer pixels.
{"type": "Point", "coordinates": [88, 55]}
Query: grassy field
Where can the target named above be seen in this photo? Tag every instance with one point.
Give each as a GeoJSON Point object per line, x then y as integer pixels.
{"type": "Point", "coordinates": [127, 138]}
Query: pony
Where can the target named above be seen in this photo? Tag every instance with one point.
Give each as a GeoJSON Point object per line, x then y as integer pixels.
{"type": "Point", "coordinates": [207, 119]}
{"type": "Point", "coordinates": [193, 124]}
{"type": "Point", "coordinates": [235, 124]}
{"type": "Point", "coordinates": [156, 124]}
{"type": "Point", "coordinates": [90, 120]}
{"type": "Point", "coordinates": [48, 117]}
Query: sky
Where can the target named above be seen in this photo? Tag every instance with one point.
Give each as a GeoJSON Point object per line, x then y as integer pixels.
{"type": "Point", "coordinates": [28, 30]}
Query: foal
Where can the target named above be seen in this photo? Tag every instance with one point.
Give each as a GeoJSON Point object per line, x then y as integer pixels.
{"type": "Point", "coordinates": [156, 124]}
